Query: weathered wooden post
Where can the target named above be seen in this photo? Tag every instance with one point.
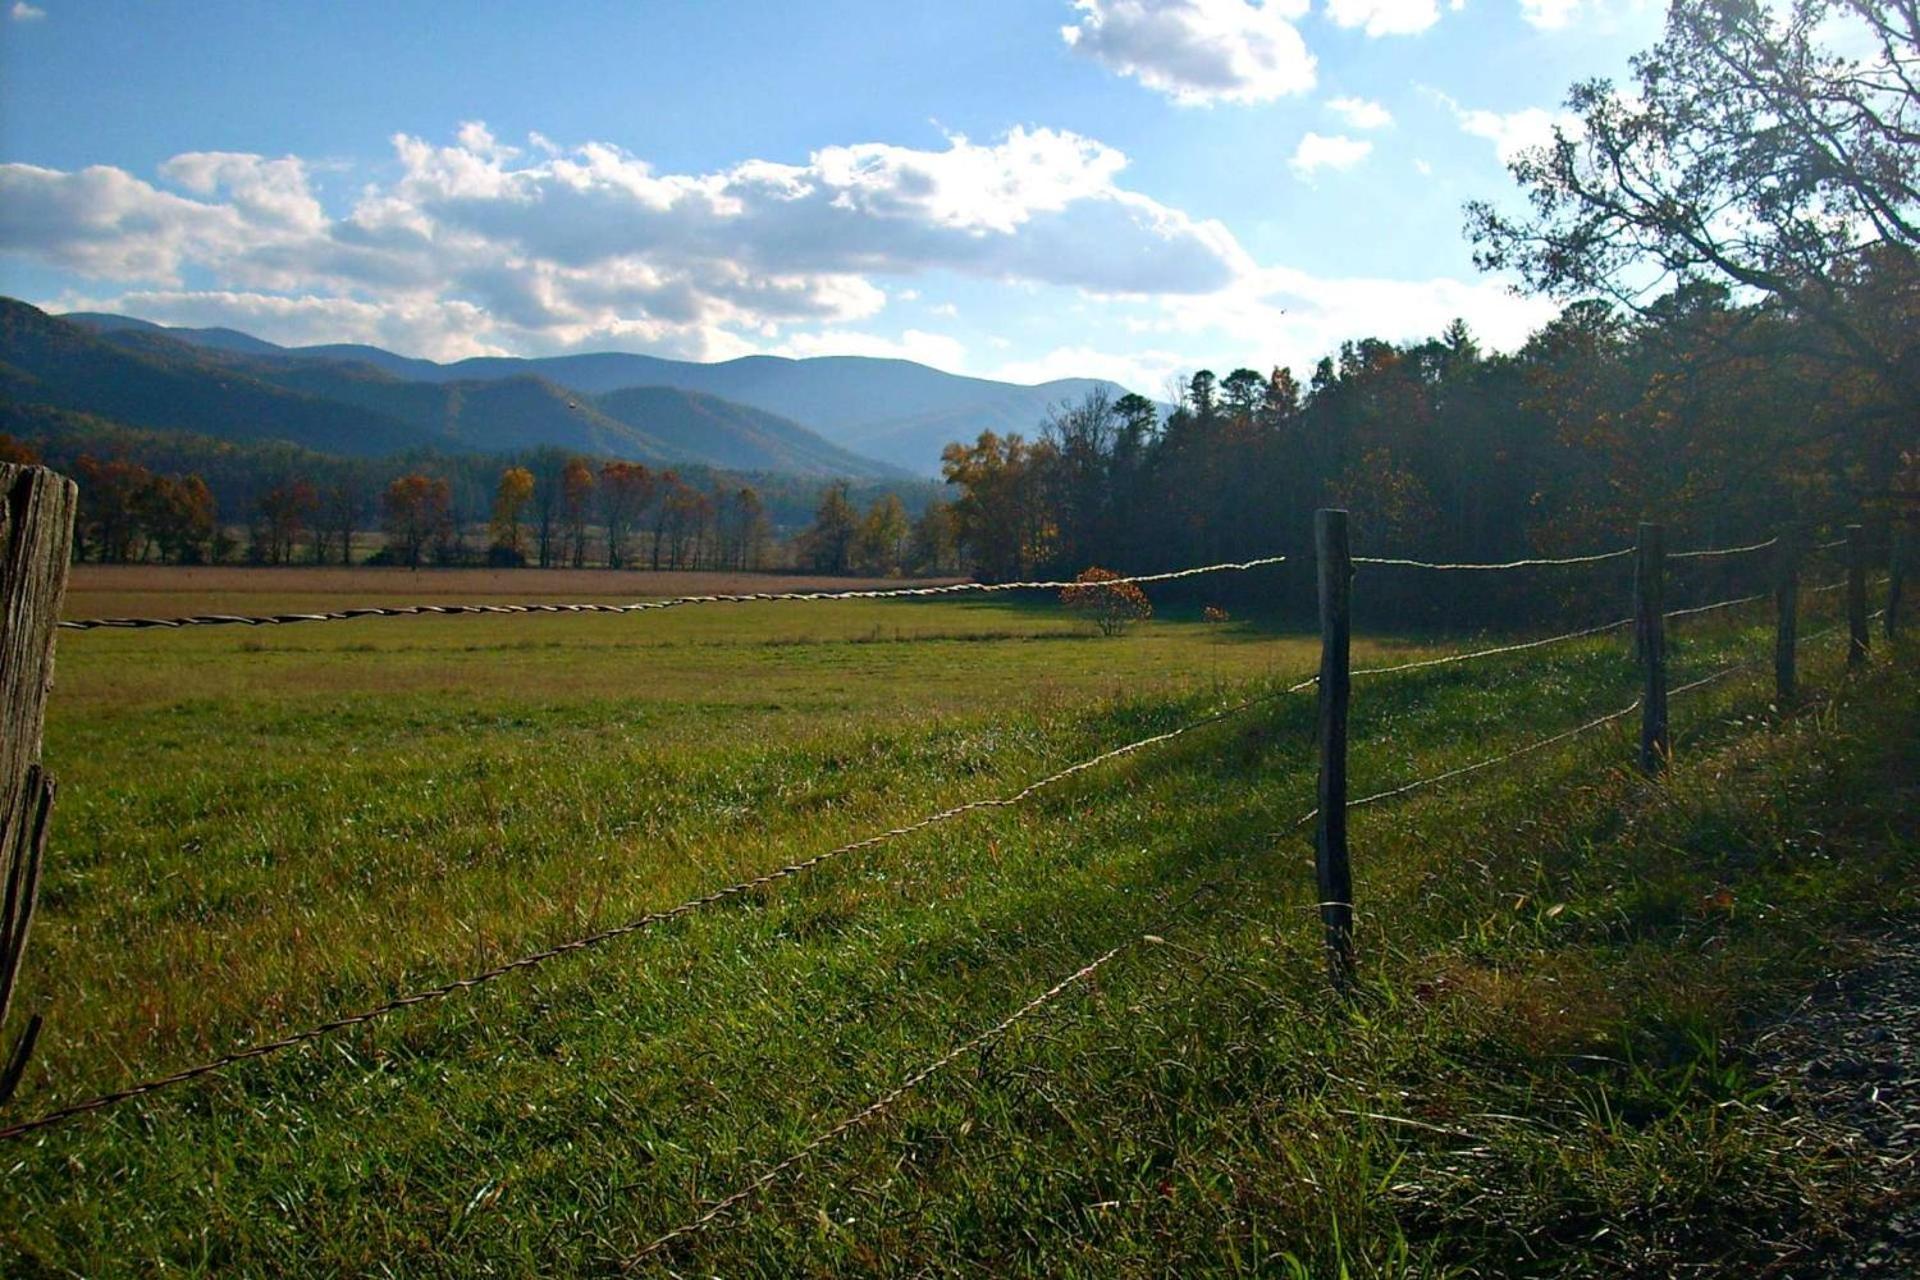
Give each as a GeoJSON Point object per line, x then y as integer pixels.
{"type": "Point", "coordinates": [1856, 595]}
{"type": "Point", "coordinates": [1786, 616]}
{"type": "Point", "coordinates": [1335, 874]}
{"type": "Point", "coordinates": [1650, 570]}
{"type": "Point", "coordinates": [1897, 552]}
{"type": "Point", "coordinates": [36, 536]}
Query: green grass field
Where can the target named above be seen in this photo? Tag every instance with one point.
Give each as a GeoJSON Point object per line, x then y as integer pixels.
{"type": "Point", "coordinates": [261, 829]}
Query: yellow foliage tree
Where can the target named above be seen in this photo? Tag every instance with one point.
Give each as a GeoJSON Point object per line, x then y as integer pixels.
{"type": "Point", "coordinates": [510, 501]}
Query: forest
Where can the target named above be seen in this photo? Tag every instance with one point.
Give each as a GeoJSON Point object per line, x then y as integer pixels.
{"type": "Point", "coordinates": [1735, 351]}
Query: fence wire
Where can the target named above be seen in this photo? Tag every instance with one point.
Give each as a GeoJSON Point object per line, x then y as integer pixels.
{"type": "Point", "coordinates": [105, 1100]}
{"type": "Point", "coordinates": [878, 1106]}
{"type": "Point", "coordinates": [1671, 614]}
{"type": "Point", "coordinates": [1709, 553]}
{"type": "Point", "coordinates": [1536, 562]}
{"type": "Point", "coordinates": [1495, 651]}
{"type": "Point", "coordinates": [642, 606]}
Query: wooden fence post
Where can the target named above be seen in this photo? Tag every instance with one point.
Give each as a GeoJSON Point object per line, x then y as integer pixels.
{"type": "Point", "coordinates": [1856, 595]}
{"type": "Point", "coordinates": [1897, 554]}
{"type": "Point", "coordinates": [1650, 570]}
{"type": "Point", "coordinates": [36, 537]}
{"type": "Point", "coordinates": [1786, 616]}
{"type": "Point", "coordinates": [1335, 875]}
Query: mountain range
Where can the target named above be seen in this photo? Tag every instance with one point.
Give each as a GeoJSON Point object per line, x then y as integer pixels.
{"type": "Point", "coordinates": [845, 415]}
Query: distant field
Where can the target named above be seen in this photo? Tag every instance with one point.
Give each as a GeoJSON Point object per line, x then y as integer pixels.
{"type": "Point", "coordinates": [96, 590]}
{"type": "Point", "coordinates": [261, 828]}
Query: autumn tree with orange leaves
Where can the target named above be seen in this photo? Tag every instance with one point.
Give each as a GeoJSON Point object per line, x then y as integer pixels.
{"type": "Point", "coordinates": [416, 512]}
{"type": "Point", "coordinates": [1103, 598]}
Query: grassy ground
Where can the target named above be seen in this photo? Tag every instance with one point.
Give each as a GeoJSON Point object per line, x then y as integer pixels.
{"type": "Point", "coordinates": [260, 829]}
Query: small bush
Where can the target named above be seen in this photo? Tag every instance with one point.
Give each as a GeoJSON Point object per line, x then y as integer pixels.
{"type": "Point", "coordinates": [1110, 604]}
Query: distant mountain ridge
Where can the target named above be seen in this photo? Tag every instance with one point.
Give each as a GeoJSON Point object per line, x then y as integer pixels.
{"type": "Point", "coordinates": [896, 411]}
{"type": "Point", "coordinates": [228, 384]}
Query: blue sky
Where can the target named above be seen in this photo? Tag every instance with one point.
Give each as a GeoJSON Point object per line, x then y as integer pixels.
{"type": "Point", "coordinates": [1032, 189]}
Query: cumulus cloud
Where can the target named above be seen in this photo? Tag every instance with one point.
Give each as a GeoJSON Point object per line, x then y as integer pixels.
{"type": "Point", "coordinates": [1198, 52]}
{"type": "Point", "coordinates": [1512, 132]}
{"type": "Point", "coordinates": [475, 247]}
{"type": "Point", "coordinates": [436, 329]}
{"type": "Point", "coordinates": [1283, 314]}
{"type": "Point", "coordinates": [1558, 15]}
{"type": "Point", "coordinates": [24, 12]}
{"type": "Point", "coordinates": [1387, 17]}
{"type": "Point", "coordinates": [559, 247]}
{"type": "Point", "coordinates": [1319, 151]}
{"type": "Point", "coordinates": [1549, 15]}
{"type": "Point", "coordinates": [1360, 113]}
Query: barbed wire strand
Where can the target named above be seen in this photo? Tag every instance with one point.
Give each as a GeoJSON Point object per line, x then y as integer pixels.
{"type": "Point", "coordinates": [1493, 652]}
{"type": "Point", "coordinates": [102, 1101]}
{"type": "Point", "coordinates": [879, 1105]}
{"type": "Point", "coordinates": [1488, 763]}
{"type": "Point", "coordinates": [644, 606]}
{"type": "Point", "coordinates": [1718, 604]}
{"type": "Point", "coordinates": [1537, 562]}
{"type": "Point", "coordinates": [1708, 553]}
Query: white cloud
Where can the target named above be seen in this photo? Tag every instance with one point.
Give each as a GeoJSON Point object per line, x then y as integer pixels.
{"type": "Point", "coordinates": [1512, 132]}
{"type": "Point", "coordinates": [558, 248]}
{"type": "Point", "coordinates": [1549, 15]}
{"type": "Point", "coordinates": [24, 12]}
{"type": "Point", "coordinates": [1285, 315]}
{"type": "Point", "coordinates": [477, 248]}
{"type": "Point", "coordinates": [1360, 113]}
{"type": "Point", "coordinates": [1198, 52]}
{"type": "Point", "coordinates": [1386, 17]}
{"type": "Point", "coordinates": [449, 330]}
{"type": "Point", "coordinates": [1319, 151]}
{"type": "Point", "coordinates": [1558, 15]}
{"type": "Point", "coordinates": [1422, 168]}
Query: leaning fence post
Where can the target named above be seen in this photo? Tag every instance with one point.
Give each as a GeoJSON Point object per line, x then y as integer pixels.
{"type": "Point", "coordinates": [36, 536]}
{"type": "Point", "coordinates": [1650, 570]}
{"type": "Point", "coordinates": [1786, 616]}
{"type": "Point", "coordinates": [1856, 595]}
{"type": "Point", "coordinates": [1335, 875]}
{"type": "Point", "coordinates": [1897, 553]}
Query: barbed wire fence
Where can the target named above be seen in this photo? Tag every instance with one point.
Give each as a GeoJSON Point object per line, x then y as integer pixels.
{"type": "Point", "coordinates": [1336, 569]}
{"type": "Point", "coordinates": [1155, 937]}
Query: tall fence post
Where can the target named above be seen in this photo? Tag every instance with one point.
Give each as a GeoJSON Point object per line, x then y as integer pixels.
{"type": "Point", "coordinates": [1786, 616]}
{"type": "Point", "coordinates": [1650, 564]}
{"type": "Point", "coordinates": [1856, 595]}
{"type": "Point", "coordinates": [36, 538]}
{"type": "Point", "coordinates": [1335, 874]}
{"type": "Point", "coordinates": [1897, 553]}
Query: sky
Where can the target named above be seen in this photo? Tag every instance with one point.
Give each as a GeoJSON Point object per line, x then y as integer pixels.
{"type": "Point", "coordinates": [1018, 189]}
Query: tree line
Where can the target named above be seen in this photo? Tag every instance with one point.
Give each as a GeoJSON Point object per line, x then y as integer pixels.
{"type": "Point", "coordinates": [280, 505]}
{"type": "Point", "coordinates": [1732, 238]}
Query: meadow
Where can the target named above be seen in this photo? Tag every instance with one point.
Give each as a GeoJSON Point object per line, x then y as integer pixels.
{"type": "Point", "coordinates": [259, 829]}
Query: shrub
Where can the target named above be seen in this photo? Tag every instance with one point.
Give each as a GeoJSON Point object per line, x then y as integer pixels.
{"type": "Point", "coordinates": [1109, 603]}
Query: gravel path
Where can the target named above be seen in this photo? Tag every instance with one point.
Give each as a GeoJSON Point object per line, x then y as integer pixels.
{"type": "Point", "coordinates": [1849, 1061]}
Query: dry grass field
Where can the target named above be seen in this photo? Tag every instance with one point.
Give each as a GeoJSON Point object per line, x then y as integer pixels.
{"type": "Point", "coordinates": [117, 590]}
